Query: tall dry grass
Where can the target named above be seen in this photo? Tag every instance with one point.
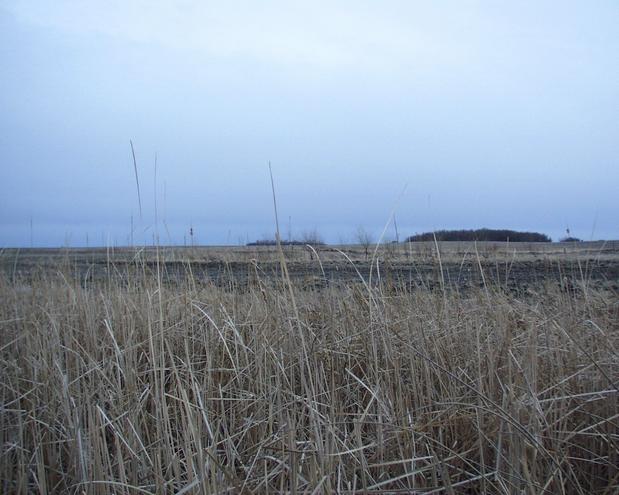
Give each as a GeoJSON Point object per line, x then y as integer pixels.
{"type": "Point", "coordinates": [134, 385]}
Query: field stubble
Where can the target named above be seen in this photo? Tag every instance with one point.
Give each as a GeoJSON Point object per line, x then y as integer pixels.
{"type": "Point", "coordinates": [121, 374]}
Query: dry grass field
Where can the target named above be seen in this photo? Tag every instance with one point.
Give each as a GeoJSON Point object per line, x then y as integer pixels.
{"type": "Point", "coordinates": [464, 369]}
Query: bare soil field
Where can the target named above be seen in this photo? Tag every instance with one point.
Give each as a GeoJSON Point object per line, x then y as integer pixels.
{"type": "Point", "coordinates": [515, 267]}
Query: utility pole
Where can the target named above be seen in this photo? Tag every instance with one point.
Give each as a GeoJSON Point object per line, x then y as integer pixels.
{"type": "Point", "coordinates": [395, 225]}
{"type": "Point", "coordinates": [290, 229]}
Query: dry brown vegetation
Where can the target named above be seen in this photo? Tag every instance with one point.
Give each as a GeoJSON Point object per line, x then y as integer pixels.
{"type": "Point", "coordinates": [135, 385]}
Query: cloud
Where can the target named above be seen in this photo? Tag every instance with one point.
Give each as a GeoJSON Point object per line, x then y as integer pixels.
{"type": "Point", "coordinates": [481, 105]}
{"type": "Point", "coordinates": [311, 34]}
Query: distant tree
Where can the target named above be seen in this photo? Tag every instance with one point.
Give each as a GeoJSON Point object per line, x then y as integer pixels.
{"type": "Point", "coordinates": [312, 237]}
{"type": "Point", "coordinates": [273, 242]}
{"type": "Point", "coordinates": [496, 235]}
{"type": "Point", "coordinates": [263, 242]}
{"type": "Point", "coordinates": [569, 237]}
{"type": "Point", "coordinates": [365, 239]}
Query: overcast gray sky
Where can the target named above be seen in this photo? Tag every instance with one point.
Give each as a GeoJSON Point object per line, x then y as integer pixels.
{"type": "Point", "coordinates": [496, 114]}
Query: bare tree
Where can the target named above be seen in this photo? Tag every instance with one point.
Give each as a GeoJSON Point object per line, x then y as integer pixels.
{"type": "Point", "coordinates": [312, 237]}
{"type": "Point", "coordinates": [365, 239]}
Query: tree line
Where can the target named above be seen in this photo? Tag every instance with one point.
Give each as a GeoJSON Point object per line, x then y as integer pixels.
{"type": "Point", "coordinates": [495, 235]}
{"type": "Point", "coordinates": [365, 239]}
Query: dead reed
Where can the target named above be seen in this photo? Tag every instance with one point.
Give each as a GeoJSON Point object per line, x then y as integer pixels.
{"type": "Point", "coordinates": [134, 385]}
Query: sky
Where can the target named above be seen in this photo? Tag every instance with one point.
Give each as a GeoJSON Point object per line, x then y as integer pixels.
{"type": "Point", "coordinates": [446, 114]}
